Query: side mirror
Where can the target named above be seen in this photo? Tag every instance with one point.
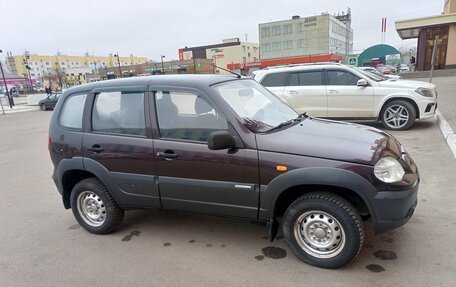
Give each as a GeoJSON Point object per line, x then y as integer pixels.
{"type": "Point", "coordinates": [220, 140]}
{"type": "Point", "coordinates": [362, 83]}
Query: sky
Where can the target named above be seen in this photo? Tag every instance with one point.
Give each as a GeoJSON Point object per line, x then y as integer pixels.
{"type": "Point", "coordinates": [151, 28]}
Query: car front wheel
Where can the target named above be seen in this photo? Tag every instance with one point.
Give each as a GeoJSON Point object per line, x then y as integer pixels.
{"type": "Point", "coordinates": [398, 115]}
{"type": "Point", "coordinates": [323, 229]}
{"type": "Point", "coordinates": [94, 207]}
{"type": "Point", "coordinates": [43, 107]}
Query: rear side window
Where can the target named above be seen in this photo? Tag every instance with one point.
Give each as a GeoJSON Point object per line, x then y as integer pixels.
{"type": "Point", "coordinates": [72, 109]}
{"type": "Point", "coordinates": [342, 78]}
{"type": "Point", "coordinates": [119, 113]}
{"type": "Point", "coordinates": [275, 80]}
{"type": "Point", "coordinates": [306, 79]}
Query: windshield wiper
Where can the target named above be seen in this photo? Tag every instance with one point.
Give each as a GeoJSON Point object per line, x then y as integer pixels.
{"type": "Point", "coordinates": [289, 122]}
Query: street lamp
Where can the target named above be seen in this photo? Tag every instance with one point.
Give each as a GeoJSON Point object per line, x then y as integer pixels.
{"type": "Point", "coordinates": [163, 67]}
{"type": "Point", "coordinates": [118, 63]}
{"type": "Point", "coordinates": [27, 66]}
{"type": "Point", "coordinates": [6, 86]}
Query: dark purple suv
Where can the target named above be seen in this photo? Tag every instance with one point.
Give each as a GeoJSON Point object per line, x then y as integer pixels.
{"type": "Point", "coordinates": [225, 145]}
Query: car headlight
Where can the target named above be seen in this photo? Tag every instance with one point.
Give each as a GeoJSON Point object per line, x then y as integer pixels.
{"type": "Point", "coordinates": [388, 170]}
{"type": "Point", "coordinates": [425, 92]}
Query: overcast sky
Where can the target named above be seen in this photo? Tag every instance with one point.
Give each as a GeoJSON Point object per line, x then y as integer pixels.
{"type": "Point", "coordinates": [150, 28]}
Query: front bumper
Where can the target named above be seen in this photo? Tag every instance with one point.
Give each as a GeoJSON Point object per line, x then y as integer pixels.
{"type": "Point", "coordinates": [394, 208]}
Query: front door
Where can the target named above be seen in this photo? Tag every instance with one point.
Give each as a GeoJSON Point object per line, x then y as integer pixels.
{"type": "Point", "coordinates": [345, 98]}
{"type": "Point", "coordinates": [118, 146]}
{"type": "Point", "coordinates": [191, 176]}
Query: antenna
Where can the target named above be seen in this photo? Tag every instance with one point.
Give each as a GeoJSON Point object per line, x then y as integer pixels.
{"type": "Point", "coordinates": [246, 35]}
{"type": "Point", "coordinates": [237, 75]}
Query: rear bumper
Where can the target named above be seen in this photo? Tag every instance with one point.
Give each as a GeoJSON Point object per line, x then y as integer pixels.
{"type": "Point", "coordinates": [394, 208]}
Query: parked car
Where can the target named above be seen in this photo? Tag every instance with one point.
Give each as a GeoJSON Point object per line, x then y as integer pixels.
{"type": "Point", "coordinates": [404, 68]}
{"type": "Point", "coordinates": [383, 69]}
{"type": "Point", "coordinates": [393, 69]}
{"type": "Point", "coordinates": [336, 91]}
{"type": "Point", "coordinates": [377, 73]}
{"type": "Point", "coordinates": [225, 145]}
{"type": "Point", "coordinates": [49, 102]}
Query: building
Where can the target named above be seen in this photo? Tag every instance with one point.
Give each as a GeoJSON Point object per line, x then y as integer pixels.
{"type": "Point", "coordinates": [194, 66]}
{"type": "Point", "coordinates": [379, 54]}
{"type": "Point", "coordinates": [440, 28]}
{"type": "Point", "coordinates": [228, 52]}
{"type": "Point", "coordinates": [315, 35]}
{"type": "Point", "coordinates": [77, 76]}
{"type": "Point", "coordinates": [43, 65]}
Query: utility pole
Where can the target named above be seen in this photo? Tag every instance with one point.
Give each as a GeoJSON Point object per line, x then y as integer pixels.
{"type": "Point", "coordinates": [163, 67]}
{"type": "Point", "coordinates": [6, 85]}
{"type": "Point", "coordinates": [436, 40]}
{"type": "Point", "coordinates": [118, 63]}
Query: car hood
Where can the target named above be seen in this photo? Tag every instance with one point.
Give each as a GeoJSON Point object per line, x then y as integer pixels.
{"type": "Point", "coordinates": [392, 83]}
{"type": "Point", "coordinates": [332, 140]}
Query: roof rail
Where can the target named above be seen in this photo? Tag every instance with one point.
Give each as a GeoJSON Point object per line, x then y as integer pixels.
{"type": "Point", "coordinates": [304, 64]}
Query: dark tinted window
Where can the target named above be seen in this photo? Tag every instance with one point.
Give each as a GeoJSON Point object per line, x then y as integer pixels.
{"type": "Point", "coordinates": [275, 80]}
{"type": "Point", "coordinates": [72, 109]}
{"type": "Point", "coordinates": [342, 78]}
{"type": "Point", "coordinates": [119, 113]}
{"type": "Point", "coordinates": [306, 79]}
{"type": "Point", "coordinates": [187, 116]}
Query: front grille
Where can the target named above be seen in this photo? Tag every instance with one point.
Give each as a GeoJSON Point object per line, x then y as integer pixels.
{"type": "Point", "coordinates": [428, 108]}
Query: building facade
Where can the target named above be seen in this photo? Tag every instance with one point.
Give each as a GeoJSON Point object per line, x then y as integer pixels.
{"type": "Point", "coordinates": [42, 65]}
{"type": "Point", "coordinates": [438, 31]}
{"type": "Point", "coordinates": [315, 35]}
{"type": "Point", "coordinates": [228, 52]}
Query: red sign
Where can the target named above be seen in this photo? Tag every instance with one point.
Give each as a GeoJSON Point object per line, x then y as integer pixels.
{"type": "Point", "coordinates": [181, 54]}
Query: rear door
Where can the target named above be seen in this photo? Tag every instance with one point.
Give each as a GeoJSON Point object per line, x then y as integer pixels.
{"type": "Point", "coordinates": [191, 176]}
{"type": "Point", "coordinates": [345, 98]}
{"type": "Point", "coordinates": [276, 82]}
{"type": "Point", "coordinates": [118, 145]}
{"type": "Point", "coordinates": [306, 92]}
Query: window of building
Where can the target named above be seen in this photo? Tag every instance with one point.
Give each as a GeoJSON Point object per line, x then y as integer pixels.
{"type": "Point", "coordinates": [266, 47]}
{"type": "Point", "coordinates": [287, 29]}
{"type": "Point", "coordinates": [244, 59]}
{"type": "Point", "coordinates": [243, 49]}
{"type": "Point", "coordinates": [313, 78]}
{"type": "Point", "coordinates": [275, 30]}
{"type": "Point", "coordinates": [287, 45]}
{"type": "Point", "coordinates": [265, 32]}
{"type": "Point", "coordinates": [187, 116]}
{"type": "Point", "coordinates": [301, 43]}
{"type": "Point", "coordinates": [71, 112]}
{"type": "Point", "coordinates": [342, 78]}
{"type": "Point", "coordinates": [275, 80]}
{"type": "Point", "coordinates": [248, 54]}
{"type": "Point", "coordinates": [277, 46]}
{"type": "Point", "coordinates": [119, 113]}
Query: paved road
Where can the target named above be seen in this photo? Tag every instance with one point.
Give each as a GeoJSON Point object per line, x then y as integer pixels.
{"type": "Point", "coordinates": [42, 245]}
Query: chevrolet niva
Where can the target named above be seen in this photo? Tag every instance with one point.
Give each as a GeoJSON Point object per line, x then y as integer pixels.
{"type": "Point", "coordinates": [225, 145]}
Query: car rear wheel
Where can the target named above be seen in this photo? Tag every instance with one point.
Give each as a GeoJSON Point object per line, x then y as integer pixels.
{"type": "Point", "coordinates": [398, 115]}
{"type": "Point", "coordinates": [43, 107]}
{"type": "Point", "coordinates": [323, 229]}
{"type": "Point", "coordinates": [94, 207]}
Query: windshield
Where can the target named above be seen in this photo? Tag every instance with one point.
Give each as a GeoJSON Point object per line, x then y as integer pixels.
{"type": "Point", "coordinates": [370, 74]}
{"type": "Point", "coordinates": [259, 108]}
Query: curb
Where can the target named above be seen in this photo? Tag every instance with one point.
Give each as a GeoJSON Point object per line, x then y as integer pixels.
{"type": "Point", "coordinates": [447, 132]}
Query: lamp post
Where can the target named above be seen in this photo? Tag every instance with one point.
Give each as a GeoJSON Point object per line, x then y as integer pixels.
{"type": "Point", "coordinates": [118, 63]}
{"type": "Point", "coordinates": [163, 67]}
{"type": "Point", "coordinates": [27, 66]}
{"type": "Point", "coordinates": [6, 86]}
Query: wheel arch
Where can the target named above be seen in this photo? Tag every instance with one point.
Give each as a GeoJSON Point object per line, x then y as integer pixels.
{"type": "Point", "coordinates": [402, 98]}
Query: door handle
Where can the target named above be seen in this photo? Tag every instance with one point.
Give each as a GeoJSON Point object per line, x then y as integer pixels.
{"type": "Point", "coordinates": [333, 91]}
{"type": "Point", "coordinates": [95, 148]}
{"type": "Point", "coordinates": [293, 92]}
{"type": "Point", "coordinates": [167, 154]}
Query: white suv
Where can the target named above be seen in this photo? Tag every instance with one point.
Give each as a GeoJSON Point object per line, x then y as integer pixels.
{"type": "Point", "coordinates": [330, 90]}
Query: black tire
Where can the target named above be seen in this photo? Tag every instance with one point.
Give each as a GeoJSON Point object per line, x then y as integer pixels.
{"type": "Point", "coordinates": [337, 212]}
{"type": "Point", "coordinates": [109, 214]}
{"type": "Point", "coordinates": [408, 109]}
{"type": "Point", "coordinates": [43, 107]}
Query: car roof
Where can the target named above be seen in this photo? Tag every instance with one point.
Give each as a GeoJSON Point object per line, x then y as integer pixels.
{"type": "Point", "coordinates": [186, 80]}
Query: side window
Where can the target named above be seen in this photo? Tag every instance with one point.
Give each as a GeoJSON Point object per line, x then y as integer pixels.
{"type": "Point", "coordinates": [187, 116]}
{"type": "Point", "coordinates": [342, 78]}
{"type": "Point", "coordinates": [71, 113]}
{"type": "Point", "coordinates": [306, 79]}
{"type": "Point", "coordinates": [119, 113]}
{"type": "Point", "coordinates": [275, 80]}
